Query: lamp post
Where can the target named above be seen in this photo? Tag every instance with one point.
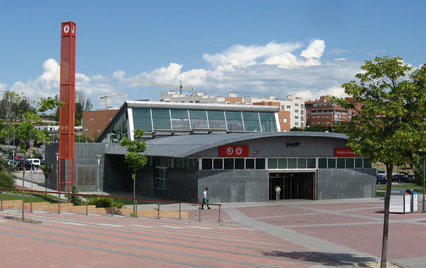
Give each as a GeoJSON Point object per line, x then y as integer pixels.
{"type": "Point", "coordinates": [14, 142]}
{"type": "Point", "coordinates": [59, 185]}
{"type": "Point", "coordinates": [99, 171]}
{"type": "Point", "coordinates": [423, 205]}
{"type": "Point", "coordinates": [31, 171]}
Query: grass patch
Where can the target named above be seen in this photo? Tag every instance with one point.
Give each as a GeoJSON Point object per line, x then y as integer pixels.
{"type": "Point", "coordinates": [27, 197]}
{"type": "Point", "coordinates": [416, 187]}
{"type": "Point", "coordinates": [130, 202]}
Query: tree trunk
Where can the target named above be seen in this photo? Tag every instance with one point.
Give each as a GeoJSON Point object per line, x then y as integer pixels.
{"type": "Point", "coordinates": [383, 263]}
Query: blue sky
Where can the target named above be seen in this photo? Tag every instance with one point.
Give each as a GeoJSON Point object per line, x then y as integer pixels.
{"type": "Point", "coordinates": [258, 48]}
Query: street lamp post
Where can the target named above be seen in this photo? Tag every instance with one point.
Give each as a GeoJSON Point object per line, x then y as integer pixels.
{"type": "Point", "coordinates": [99, 175]}
{"type": "Point", "coordinates": [14, 142]}
{"type": "Point", "coordinates": [59, 185]}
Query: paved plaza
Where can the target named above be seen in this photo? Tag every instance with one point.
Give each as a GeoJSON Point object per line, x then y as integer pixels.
{"type": "Point", "coordinates": [296, 233]}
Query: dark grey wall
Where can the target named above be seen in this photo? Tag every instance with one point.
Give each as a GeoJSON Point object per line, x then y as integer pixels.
{"type": "Point", "coordinates": [346, 183]}
{"type": "Point", "coordinates": [278, 147]}
{"type": "Point", "coordinates": [234, 185]}
{"type": "Point", "coordinates": [87, 170]}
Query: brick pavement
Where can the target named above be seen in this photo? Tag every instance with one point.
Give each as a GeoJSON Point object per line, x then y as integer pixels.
{"type": "Point", "coordinates": [342, 233]}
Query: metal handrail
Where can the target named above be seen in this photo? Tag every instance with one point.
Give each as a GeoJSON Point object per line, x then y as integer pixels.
{"type": "Point", "coordinates": [152, 201]}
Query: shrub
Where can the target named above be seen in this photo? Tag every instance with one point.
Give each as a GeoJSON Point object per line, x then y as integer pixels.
{"type": "Point", "coordinates": [74, 199]}
{"type": "Point", "coordinates": [105, 202]}
{"type": "Point", "coordinates": [6, 180]}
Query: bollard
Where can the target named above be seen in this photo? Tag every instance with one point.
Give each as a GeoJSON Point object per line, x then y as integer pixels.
{"type": "Point", "coordinates": [180, 204]}
{"type": "Point", "coordinates": [158, 211]}
{"type": "Point", "coordinates": [59, 203]}
{"type": "Point", "coordinates": [1, 198]}
{"type": "Point", "coordinates": [199, 213]}
{"type": "Point", "coordinates": [31, 203]}
{"type": "Point", "coordinates": [219, 212]}
{"type": "Point", "coordinates": [87, 207]}
{"type": "Point", "coordinates": [112, 208]}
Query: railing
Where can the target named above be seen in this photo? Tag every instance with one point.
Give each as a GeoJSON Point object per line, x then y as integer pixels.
{"type": "Point", "coordinates": [175, 212]}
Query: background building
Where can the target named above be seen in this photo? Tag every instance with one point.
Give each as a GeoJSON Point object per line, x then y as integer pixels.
{"type": "Point", "coordinates": [324, 113]}
{"type": "Point", "coordinates": [94, 122]}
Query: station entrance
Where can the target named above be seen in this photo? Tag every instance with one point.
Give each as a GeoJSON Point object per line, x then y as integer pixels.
{"type": "Point", "coordinates": [293, 185]}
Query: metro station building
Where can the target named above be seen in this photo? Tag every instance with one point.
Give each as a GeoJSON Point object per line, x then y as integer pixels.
{"type": "Point", "coordinates": [239, 152]}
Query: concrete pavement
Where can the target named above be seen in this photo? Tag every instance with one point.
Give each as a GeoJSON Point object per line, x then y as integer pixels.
{"type": "Point", "coordinates": [287, 233]}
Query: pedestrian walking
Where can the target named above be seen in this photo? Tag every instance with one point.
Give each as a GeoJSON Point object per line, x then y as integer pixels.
{"type": "Point", "coordinates": [205, 199]}
{"type": "Point", "coordinates": [277, 192]}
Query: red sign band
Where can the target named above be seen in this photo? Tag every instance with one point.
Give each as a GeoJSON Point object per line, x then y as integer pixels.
{"type": "Point", "coordinates": [234, 151]}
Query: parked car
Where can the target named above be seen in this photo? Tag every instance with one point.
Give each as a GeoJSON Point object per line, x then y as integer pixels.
{"type": "Point", "coordinates": [411, 177]}
{"type": "Point", "coordinates": [399, 178]}
{"type": "Point", "coordinates": [32, 163]}
{"type": "Point", "coordinates": [380, 179]}
{"type": "Point", "coordinates": [381, 172]}
{"type": "Point", "coordinates": [19, 164]}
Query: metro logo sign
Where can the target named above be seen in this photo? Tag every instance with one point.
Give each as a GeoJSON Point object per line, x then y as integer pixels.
{"type": "Point", "coordinates": [68, 28]}
{"type": "Point", "coordinates": [343, 152]}
{"type": "Point", "coordinates": [234, 151]}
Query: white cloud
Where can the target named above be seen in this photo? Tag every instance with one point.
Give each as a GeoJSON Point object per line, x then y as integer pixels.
{"type": "Point", "coordinates": [315, 50]}
{"type": "Point", "coordinates": [277, 69]}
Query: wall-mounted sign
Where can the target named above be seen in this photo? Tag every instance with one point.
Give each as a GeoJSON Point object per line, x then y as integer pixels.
{"type": "Point", "coordinates": [234, 151]}
{"type": "Point", "coordinates": [293, 144]}
{"type": "Point", "coordinates": [343, 152]}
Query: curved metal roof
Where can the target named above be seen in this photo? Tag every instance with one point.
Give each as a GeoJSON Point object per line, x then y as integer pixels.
{"type": "Point", "coordinates": [187, 145]}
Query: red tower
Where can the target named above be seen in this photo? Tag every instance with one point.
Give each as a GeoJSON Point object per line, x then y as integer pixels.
{"type": "Point", "coordinates": [66, 168]}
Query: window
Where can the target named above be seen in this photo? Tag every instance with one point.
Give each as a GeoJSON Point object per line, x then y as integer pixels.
{"type": "Point", "coordinates": [251, 121]}
{"type": "Point", "coordinates": [272, 163]}
{"type": "Point", "coordinates": [301, 163]}
{"type": "Point", "coordinates": [249, 163]}
{"type": "Point", "coordinates": [260, 163]}
{"type": "Point", "coordinates": [228, 163]}
{"type": "Point", "coordinates": [161, 178]}
{"type": "Point", "coordinates": [292, 163]}
{"type": "Point", "coordinates": [311, 163]}
{"type": "Point", "coordinates": [285, 120]}
{"type": "Point", "coordinates": [296, 104]}
{"type": "Point", "coordinates": [217, 119]}
{"type": "Point", "coordinates": [322, 163]}
{"type": "Point", "coordinates": [367, 163]}
{"type": "Point", "coordinates": [180, 119]}
{"type": "Point", "coordinates": [340, 162]}
{"type": "Point", "coordinates": [358, 162]}
{"type": "Point", "coordinates": [207, 163]}
{"type": "Point", "coordinates": [239, 163]}
{"type": "Point", "coordinates": [332, 163]}
{"type": "Point", "coordinates": [161, 118]}
{"type": "Point", "coordinates": [288, 107]}
{"type": "Point", "coordinates": [142, 119]}
{"type": "Point", "coordinates": [282, 163]}
{"type": "Point", "coordinates": [268, 122]}
{"type": "Point", "coordinates": [218, 163]}
{"type": "Point", "coordinates": [234, 121]}
{"type": "Point", "coordinates": [350, 163]}
{"type": "Point", "coordinates": [198, 119]}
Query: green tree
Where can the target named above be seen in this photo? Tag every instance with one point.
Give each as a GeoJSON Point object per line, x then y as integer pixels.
{"type": "Point", "coordinates": [390, 125]}
{"type": "Point", "coordinates": [135, 157]}
{"type": "Point", "coordinates": [6, 179]}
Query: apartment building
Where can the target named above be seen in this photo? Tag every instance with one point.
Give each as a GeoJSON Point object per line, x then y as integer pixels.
{"type": "Point", "coordinates": [325, 113]}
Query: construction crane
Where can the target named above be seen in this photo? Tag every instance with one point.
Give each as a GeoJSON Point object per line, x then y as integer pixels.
{"type": "Point", "coordinates": [166, 85]}
{"type": "Point", "coordinates": [107, 96]}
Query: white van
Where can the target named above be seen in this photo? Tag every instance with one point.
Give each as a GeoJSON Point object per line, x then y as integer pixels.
{"type": "Point", "coordinates": [34, 162]}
